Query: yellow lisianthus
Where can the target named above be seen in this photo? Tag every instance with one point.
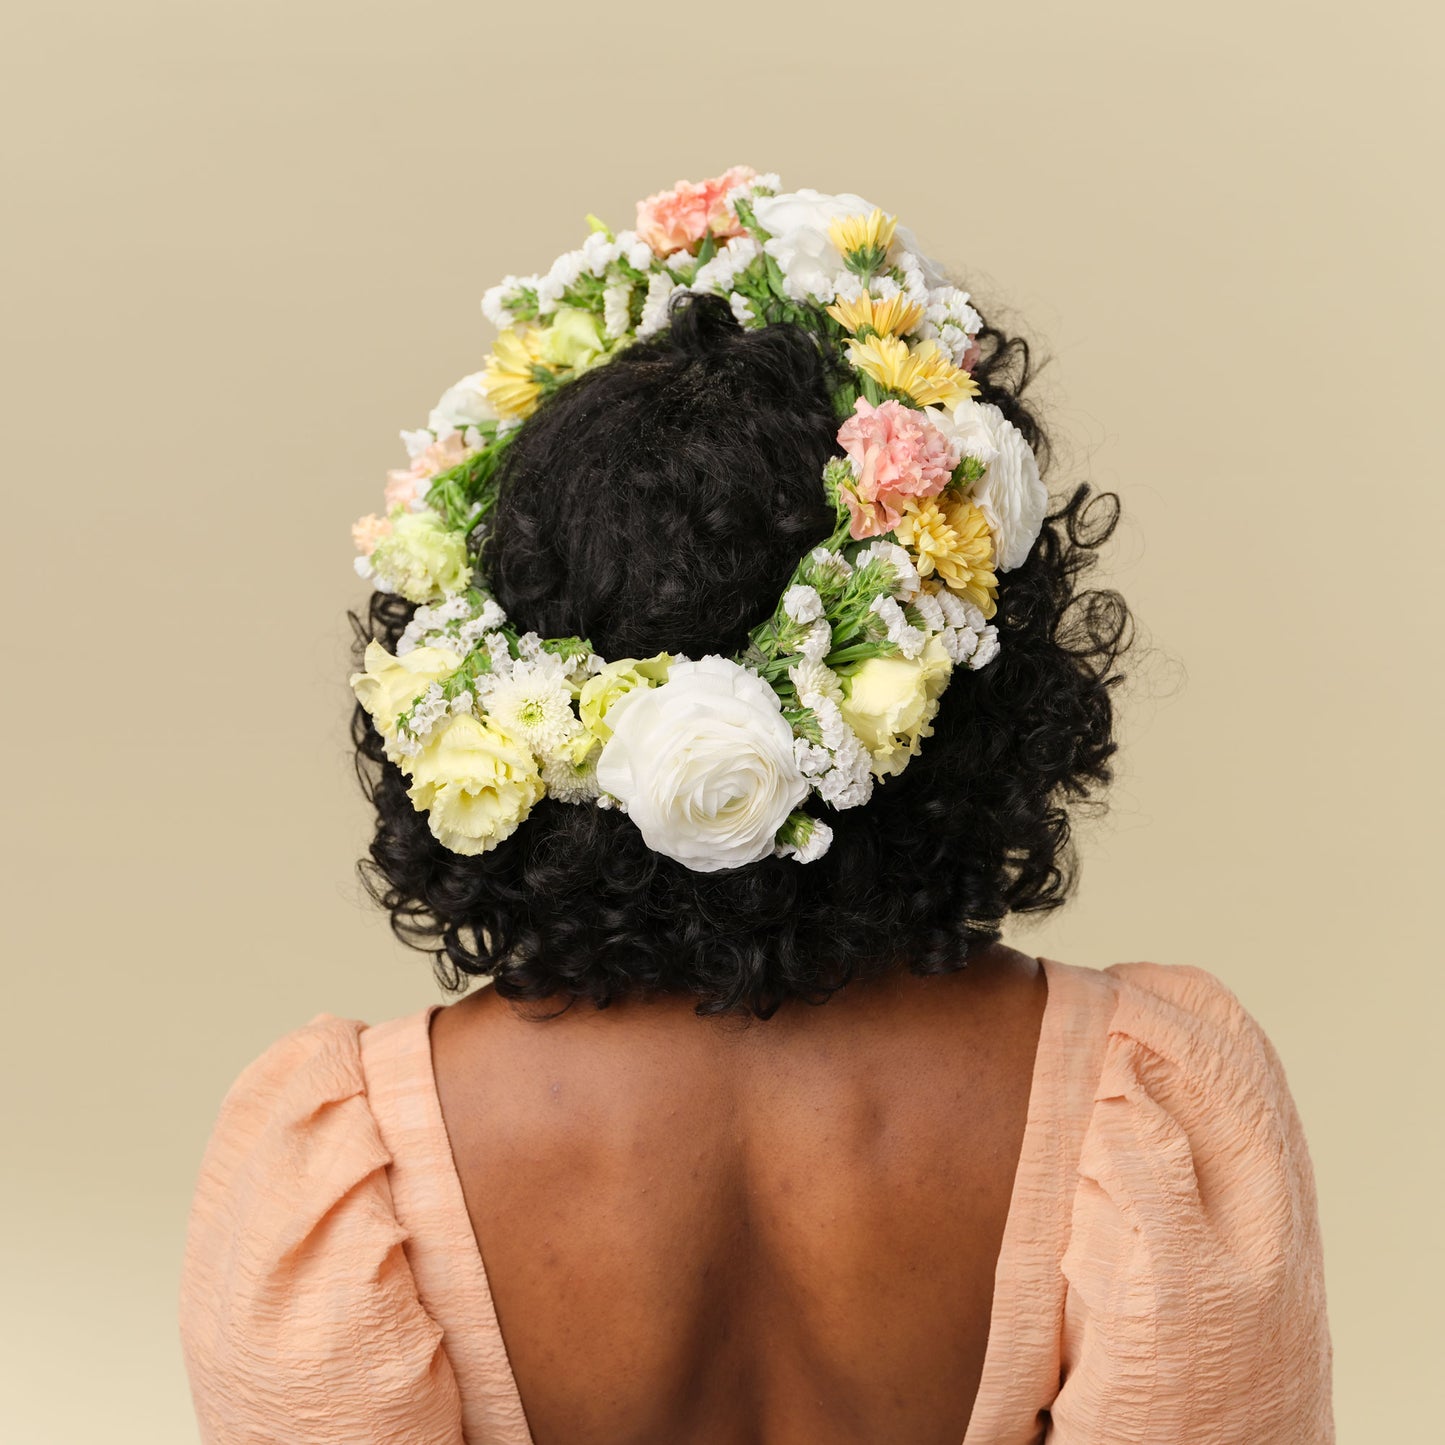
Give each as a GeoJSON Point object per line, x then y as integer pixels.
{"type": "Point", "coordinates": [421, 557]}
{"type": "Point", "coordinates": [475, 784]}
{"type": "Point", "coordinates": [509, 378]}
{"type": "Point", "coordinates": [390, 684]}
{"type": "Point", "coordinates": [863, 239]}
{"type": "Point", "coordinates": [615, 680]}
{"type": "Point", "coordinates": [924, 374]}
{"type": "Point", "coordinates": [892, 701]}
{"type": "Point", "coordinates": [949, 536]}
{"type": "Point", "coordinates": [574, 339]}
{"type": "Point", "coordinates": [894, 317]}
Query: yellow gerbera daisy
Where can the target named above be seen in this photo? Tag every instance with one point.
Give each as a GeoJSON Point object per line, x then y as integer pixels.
{"type": "Point", "coordinates": [924, 374]}
{"type": "Point", "coordinates": [863, 236]}
{"type": "Point", "coordinates": [949, 536]}
{"type": "Point", "coordinates": [892, 317]}
{"type": "Point", "coordinates": [510, 379]}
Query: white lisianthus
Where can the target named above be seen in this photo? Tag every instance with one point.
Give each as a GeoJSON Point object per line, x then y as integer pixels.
{"type": "Point", "coordinates": [704, 764]}
{"type": "Point", "coordinates": [1010, 494]}
{"type": "Point", "coordinates": [462, 405]}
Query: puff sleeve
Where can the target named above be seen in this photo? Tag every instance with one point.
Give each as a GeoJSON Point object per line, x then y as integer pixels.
{"type": "Point", "coordinates": [299, 1315]}
{"type": "Point", "coordinates": [1195, 1306]}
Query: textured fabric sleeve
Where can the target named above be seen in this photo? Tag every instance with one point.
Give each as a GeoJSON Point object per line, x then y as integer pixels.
{"type": "Point", "coordinates": [1195, 1308]}
{"type": "Point", "coordinates": [300, 1322]}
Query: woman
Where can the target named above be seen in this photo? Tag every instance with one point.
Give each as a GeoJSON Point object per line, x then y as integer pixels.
{"type": "Point", "coordinates": [726, 779]}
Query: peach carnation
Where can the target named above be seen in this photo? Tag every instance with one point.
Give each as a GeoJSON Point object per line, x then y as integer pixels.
{"type": "Point", "coordinates": [677, 219]}
{"type": "Point", "coordinates": [367, 531]}
{"type": "Point", "coordinates": [896, 453]}
{"type": "Point", "coordinates": [403, 486]}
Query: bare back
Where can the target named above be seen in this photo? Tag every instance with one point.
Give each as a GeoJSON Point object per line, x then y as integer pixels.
{"type": "Point", "coordinates": [727, 1231]}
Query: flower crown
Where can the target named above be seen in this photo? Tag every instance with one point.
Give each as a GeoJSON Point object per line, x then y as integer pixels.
{"type": "Point", "coordinates": [713, 759]}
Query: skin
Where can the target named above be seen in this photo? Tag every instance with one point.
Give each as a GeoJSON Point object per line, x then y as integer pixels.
{"type": "Point", "coordinates": [734, 1232]}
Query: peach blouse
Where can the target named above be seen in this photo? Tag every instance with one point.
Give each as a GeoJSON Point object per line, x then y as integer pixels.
{"type": "Point", "coordinates": [1160, 1277]}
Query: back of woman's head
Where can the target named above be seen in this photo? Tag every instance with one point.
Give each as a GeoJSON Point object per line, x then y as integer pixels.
{"type": "Point", "coordinates": [660, 502]}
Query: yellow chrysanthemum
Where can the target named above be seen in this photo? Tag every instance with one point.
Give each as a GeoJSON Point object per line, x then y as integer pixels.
{"type": "Point", "coordinates": [924, 374]}
{"type": "Point", "coordinates": [893, 317]}
{"type": "Point", "coordinates": [510, 380]}
{"type": "Point", "coordinates": [866, 235]}
{"type": "Point", "coordinates": [949, 536]}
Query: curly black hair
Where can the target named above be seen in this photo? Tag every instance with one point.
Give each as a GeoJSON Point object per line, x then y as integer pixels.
{"type": "Point", "coordinates": [660, 503]}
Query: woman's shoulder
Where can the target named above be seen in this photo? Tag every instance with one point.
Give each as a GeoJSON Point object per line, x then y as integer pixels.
{"type": "Point", "coordinates": [291, 1237]}
{"type": "Point", "coordinates": [1194, 1250]}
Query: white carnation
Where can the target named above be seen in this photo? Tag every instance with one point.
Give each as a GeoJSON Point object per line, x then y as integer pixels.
{"type": "Point", "coordinates": [742, 309]}
{"type": "Point", "coordinates": [704, 763]}
{"type": "Point", "coordinates": [1011, 494]}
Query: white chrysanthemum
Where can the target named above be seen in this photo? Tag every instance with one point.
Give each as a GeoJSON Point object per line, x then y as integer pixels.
{"type": "Point", "coordinates": [809, 849]}
{"type": "Point", "coordinates": [741, 308]}
{"type": "Point", "coordinates": [987, 649]}
{"type": "Point", "coordinates": [534, 704]}
{"type": "Point", "coordinates": [570, 782]}
{"type": "Point", "coordinates": [660, 288]}
{"type": "Point", "coordinates": [616, 319]}
{"type": "Point", "coordinates": [802, 603]}
{"type": "Point", "coordinates": [907, 638]}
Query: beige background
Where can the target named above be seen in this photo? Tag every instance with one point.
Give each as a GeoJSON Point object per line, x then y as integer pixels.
{"type": "Point", "coordinates": [245, 245]}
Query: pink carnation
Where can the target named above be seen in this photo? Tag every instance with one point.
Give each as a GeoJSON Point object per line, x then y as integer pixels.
{"type": "Point", "coordinates": [896, 453]}
{"type": "Point", "coordinates": [676, 219]}
{"type": "Point", "coordinates": [403, 486]}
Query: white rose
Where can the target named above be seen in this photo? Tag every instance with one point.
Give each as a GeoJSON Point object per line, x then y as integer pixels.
{"type": "Point", "coordinates": [1010, 493]}
{"type": "Point", "coordinates": [704, 764]}
{"type": "Point", "coordinates": [461, 406]}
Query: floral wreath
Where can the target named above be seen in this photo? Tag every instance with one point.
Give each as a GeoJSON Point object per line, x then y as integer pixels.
{"type": "Point", "coordinates": [713, 759]}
